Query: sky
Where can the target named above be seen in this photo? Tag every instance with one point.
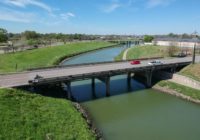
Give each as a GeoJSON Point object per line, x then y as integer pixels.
{"type": "Point", "coordinates": [122, 17]}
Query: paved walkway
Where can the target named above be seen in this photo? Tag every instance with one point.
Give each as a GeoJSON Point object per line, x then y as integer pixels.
{"type": "Point", "coordinates": [125, 54]}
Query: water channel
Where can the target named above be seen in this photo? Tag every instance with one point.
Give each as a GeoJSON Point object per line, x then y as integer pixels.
{"type": "Point", "coordinates": [142, 114]}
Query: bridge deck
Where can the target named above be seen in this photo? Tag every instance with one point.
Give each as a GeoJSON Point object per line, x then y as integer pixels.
{"type": "Point", "coordinates": [21, 79]}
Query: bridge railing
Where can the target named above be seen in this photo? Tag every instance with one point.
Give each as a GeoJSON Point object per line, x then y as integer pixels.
{"type": "Point", "coordinates": [89, 64]}
{"type": "Point", "coordinates": [85, 76]}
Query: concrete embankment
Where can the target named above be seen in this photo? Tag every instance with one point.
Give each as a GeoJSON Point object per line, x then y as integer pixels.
{"type": "Point", "coordinates": [179, 79]}
{"type": "Point", "coordinates": [175, 93]}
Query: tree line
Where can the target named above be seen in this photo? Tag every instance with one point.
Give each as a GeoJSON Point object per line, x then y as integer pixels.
{"type": "Point", "coordinates": [33, 37]}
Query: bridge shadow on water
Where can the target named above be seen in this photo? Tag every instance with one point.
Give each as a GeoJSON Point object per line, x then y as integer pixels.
{"type": "Point", "coordinates": [82, 90]}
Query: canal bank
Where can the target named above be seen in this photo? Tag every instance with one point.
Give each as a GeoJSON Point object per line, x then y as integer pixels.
{"type": "Point", "coordinates": [175, 93]}
{"type": "Point", "coordinates": [85, 114]}
{"type": "Point", "coordinates": [64, 59]}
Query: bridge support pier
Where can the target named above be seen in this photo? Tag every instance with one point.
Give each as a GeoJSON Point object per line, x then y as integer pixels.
{"type": "Point", "coordinates": [173, 70]}
{"type": "Point", "coordinates": [69, 91]}
{"type": "Point", "coordinates": [148, 75]}
{"type": "Point", "coordinates": [93, 88]}
{"type": "Point", "coordinates": [67, 87]}
{"type": "Point", "coordinates": [129, 81]}
{"type": "Point", "coordinates": [107, 82]}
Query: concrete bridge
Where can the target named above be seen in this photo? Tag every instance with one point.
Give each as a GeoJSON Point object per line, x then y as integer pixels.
{"type": "Point", "coordinates": [102, 71]}
{"type": "Point", "coordinates": [128, 43]}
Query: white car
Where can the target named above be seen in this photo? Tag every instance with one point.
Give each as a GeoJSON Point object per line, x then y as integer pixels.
{"type": "Point", "coordinates": [155, 62]}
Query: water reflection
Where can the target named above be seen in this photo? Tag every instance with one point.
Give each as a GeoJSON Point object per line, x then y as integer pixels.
{"type": "Point", "coordinates": [82, 90]}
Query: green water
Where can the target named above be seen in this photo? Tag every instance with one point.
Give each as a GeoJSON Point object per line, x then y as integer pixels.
{"type": "Point", "coordinates": [138, 115]}
{"type": "Point", "coordinates": [146, 115]}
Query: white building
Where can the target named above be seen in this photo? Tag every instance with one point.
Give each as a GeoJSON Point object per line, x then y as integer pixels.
{"type": "Point", "coordinates": [176, 42]}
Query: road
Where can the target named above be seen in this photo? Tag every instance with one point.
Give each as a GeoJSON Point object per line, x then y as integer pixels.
{"type": "Point", "coordinates": [21, 79]}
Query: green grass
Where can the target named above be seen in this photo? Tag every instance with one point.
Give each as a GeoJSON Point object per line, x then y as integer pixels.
{"type": "Point", "coordinates": [120, 56]}
{"type": "Point", "coordinates": [192, 71]}
{"type": "Point", "coordinates": [145, 52]}
{"type": "Point", "coordinates": [194, 93]}
{"type": "Point", "coordinates": [45, 56]}
{"type": "Point", "coordinates": [34, 117]}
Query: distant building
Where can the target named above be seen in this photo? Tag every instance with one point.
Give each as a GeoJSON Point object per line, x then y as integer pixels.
{"type": "Point", "coordinates": [176, 42]}
{"type": "Point", "coordinates": [148, 43]}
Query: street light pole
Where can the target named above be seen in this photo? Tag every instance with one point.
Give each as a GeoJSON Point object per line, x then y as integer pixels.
{"type": "Point", "coordinates": [194, 51]}
{"type": "Point", "coordinates": [194, 48]}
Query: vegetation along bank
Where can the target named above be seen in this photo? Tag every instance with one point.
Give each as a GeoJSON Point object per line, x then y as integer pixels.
{"type": "Point", "coordinates": [30, 116]}
{"type": "Point", "coordinates": [43, 57]}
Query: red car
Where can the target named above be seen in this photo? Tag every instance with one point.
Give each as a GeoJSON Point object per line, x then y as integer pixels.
{"type": "Point", "coordinates": [135, 62]}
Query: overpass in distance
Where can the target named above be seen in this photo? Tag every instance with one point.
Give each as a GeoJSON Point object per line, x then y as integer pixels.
{"type": "Point", "coordinates": [101, 71]}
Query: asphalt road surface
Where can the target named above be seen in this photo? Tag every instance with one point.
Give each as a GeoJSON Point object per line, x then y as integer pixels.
{"type": "Point", "coordinates": [21, 79]}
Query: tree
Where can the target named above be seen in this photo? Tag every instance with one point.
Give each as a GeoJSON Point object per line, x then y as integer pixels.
{"type": "Point", "coordinates": [172, 50]}
{"type": "Point", "coordinates": [185, 36]}
{"type": "Point", "coordinates": [3, 35]}
{"type": "Point", "coordinates": [148, 38]}
{"type": "Point", "coordinates": [172, 35]}
{"type": "Point", "coordinates": [30, 35]}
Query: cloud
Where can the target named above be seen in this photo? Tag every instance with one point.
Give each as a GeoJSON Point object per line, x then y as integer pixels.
{"type": "Point", "coordinates": [66, 16]}
{"type": "Point", "coordinates": [53, 16]}
{"type": "Point", "coordinates": [117, 4]}
{"type": "Point", "coordinates": [155, 3]}
{"type": "Point", "coordinates": [24, 3]}
{"type": "Point", "coordinates": [16, 16]}
{"type": "Point", "coordinates": [111, 7]}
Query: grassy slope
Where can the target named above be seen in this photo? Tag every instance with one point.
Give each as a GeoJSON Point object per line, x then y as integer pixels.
{"type": "Point", "coordinates": [120, 56]}
{"type": "Point", "coordinates": [192, 71]}
{"type": "Point", "coordinates": [44, 56]}
{"type": "Point", "coordinates": [195, 94]}
{"type": "Point", "coordinates": [145, 52]}
{"type": "Point", "coordinates": [28, 116]}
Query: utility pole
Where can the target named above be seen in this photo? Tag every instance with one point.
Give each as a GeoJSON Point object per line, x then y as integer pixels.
{"type": "Point", "coordinates": [194, 51]}
{"type": "Point", "coordinates": [194, 48]}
